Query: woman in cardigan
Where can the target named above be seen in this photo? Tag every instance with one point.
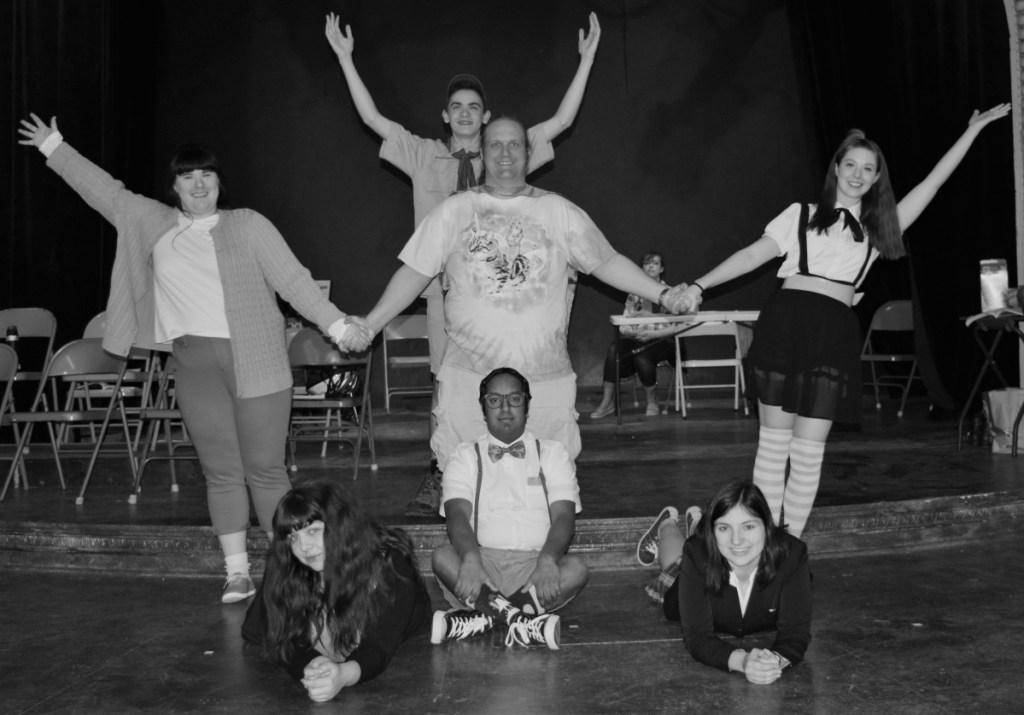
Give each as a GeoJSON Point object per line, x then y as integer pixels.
{"type": "Point", "coordinates": [340, 594]}
{"type": "Point", "coordinates": [740, 585]}
{"type": "Point", "coordinates": [204, 277]}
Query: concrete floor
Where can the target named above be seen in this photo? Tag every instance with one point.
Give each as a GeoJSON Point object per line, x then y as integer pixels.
{"type": "Point", "coordinates": [925, 631]}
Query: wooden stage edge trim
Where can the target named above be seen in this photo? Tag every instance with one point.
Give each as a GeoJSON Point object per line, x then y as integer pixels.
{"type": "Point", "coordinates": [192, 551]}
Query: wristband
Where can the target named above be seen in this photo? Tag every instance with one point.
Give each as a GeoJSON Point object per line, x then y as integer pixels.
{"type": "Point", "coordinates": [695, 283]}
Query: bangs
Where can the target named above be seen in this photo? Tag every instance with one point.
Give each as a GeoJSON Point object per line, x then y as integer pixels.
{"type": "Point", "coordinates": [295, 512]}
{"type": "Point", "coordinates": [192, 157]}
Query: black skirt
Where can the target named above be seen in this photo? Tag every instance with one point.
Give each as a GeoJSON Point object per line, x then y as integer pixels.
{"type": "Point", "coordinates": [805, 356]}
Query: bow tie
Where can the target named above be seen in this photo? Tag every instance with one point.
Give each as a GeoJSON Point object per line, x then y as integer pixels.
{"type": "Point", "coordinates": [851, 223]}
{"type": "Point", "coordinates": [516, 449]}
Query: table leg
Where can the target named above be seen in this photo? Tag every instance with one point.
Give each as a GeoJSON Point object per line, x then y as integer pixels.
{"type": "Point", "coordinates": [618, 405]}
{"type": "Point", "coordinates": [989, 352]}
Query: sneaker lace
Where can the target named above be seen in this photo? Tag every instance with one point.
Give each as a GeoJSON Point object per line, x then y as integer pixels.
{"type": "Point", "coordinates": [462, 626]}
{"type": "Point", "coordinates": [526, 631]}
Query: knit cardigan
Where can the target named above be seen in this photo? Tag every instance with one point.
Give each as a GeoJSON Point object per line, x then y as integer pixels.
{"type": "Point", "coordinates": [253, 260]}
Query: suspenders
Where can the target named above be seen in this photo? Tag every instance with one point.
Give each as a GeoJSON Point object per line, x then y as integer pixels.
{"type": "Point", "coordinates": [480, 479]}
{"type": "Point", "coordinates": [805, 270]}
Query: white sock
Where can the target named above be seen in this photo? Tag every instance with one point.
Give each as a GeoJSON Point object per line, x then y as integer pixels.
{"type": "Point", "coordinates": [770, 466]}
{"type": "Point", "coordinates": [237, 563]}
{"type": "Point", "coordinates": [805, 459]}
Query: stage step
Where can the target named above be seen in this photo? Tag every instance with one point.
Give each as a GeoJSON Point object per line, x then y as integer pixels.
{"type": "Point", "coordinates": [605, 543]}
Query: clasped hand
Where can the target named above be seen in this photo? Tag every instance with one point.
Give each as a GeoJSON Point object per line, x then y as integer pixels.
{"type": "Point", "coordinates": [762, 666]}
{"type": "Point", "coordinates": [357, 336]}
{"type": "Point", "coordinates": [678, 300]}
{"type": "Point", "coordinates": [322, 679]}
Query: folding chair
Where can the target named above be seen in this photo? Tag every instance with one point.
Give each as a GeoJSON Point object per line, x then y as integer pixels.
{"type": "Point", "coordinates": [80, 361]}
{"type": "Point", "coordinates": [671, 393]}
{"type": "Point", "coordinates": [406, 328]}
{"type": "Point", "coordinates": [31, 332]}
{"type": "Point", "coordinates": [896, 316]}
{"type": "Point", "coordinates": [137, 381]}
{"type": "Point", "coordinates": [161, 415]}
{"type": "Point", "coordinates": [735, 361]}
{"type": "Point", "coordinates": [321, 418]}
{"type": "Point", "coordinates": [8, 369]}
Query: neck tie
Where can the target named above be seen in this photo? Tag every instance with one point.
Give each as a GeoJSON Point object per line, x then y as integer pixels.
{"type": "Point", "coordinates": [516, 449]}
{"type": "Point", "coordinates": [467, 177]}
{"type": "Point", "coordinates": [851, 223]}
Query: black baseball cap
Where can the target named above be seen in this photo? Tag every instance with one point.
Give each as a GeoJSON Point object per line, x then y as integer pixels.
{"type": "Point", "coordinates": [466, 81]}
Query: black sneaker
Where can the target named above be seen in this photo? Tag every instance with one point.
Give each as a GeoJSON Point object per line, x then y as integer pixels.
{"type": "Point", "coordinates": [456, 624]}
{"type": "Point", "coordinates": [647, 547]}
{"type": "Point", "coordinates": [523, 629]}
{"type": "Point", "coordinates": [539, 630]}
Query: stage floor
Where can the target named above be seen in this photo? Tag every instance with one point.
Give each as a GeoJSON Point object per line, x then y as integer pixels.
{"type": "Point", "coordinates": [927, 632]}
{"type": "Point", "coordinates": [630, 470]}
{"type": "Point", "coordinates": [924, 630]}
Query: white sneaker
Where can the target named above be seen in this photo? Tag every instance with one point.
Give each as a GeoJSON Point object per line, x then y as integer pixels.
{"type": "Point", "coordinates": [647, 547]}
{"type": "Point", "coordinates": [693, 515]}
{"type": "Point", "coordinates": [237, 588]}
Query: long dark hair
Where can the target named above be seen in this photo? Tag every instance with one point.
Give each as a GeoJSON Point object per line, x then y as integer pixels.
{"type": "Point", "coordinates": [190, 157]}
{"type": "Point", "coordinates": [748, 496]}
{"type": "Point", "coordinates": [878, 213]}
{"type": "Point", "coordinates": [355, 583]}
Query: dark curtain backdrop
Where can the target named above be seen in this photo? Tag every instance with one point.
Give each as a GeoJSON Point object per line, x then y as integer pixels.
{"type": "Point", "coordinates": [702, 120]}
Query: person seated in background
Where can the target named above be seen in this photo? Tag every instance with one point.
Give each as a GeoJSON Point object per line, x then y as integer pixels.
{"type": "Point", "coordinates": [641, 347]}
{"type": "Point", "coordinates": [738, 583]}
{"type": "Point", "coordinates": [341, 592]}
{"type": "Point", "coordinates": [510, 500]}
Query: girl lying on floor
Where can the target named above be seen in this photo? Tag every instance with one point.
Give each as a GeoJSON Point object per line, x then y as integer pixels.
{"type": "Point", "coordinates": [739, 585]}
{"type": "Point", "coordinates": [341, 592]}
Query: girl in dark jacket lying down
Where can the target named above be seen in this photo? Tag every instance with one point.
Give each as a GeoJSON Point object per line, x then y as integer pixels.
{"type": "Point", "coordinates": [341, 592]}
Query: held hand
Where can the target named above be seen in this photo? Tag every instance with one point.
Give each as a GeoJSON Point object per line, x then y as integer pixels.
{"type": "Point", "coordinates": [547, 580]}
{"type": "Point", "coordinates": [36, 131]}
{"type": "Point", "coordinates": [357, 336]}
{"type": "Point", "coordinates": [762, 667]}
{"type": "Point", "coordinates": [588, 43]}
{"type": "Point", "coordinates": [680, 300]}
{"type": "Point", "coordinates": [322, 679]}
{"type": "Point", "coordinates": [983, 118]}
{"type": "Point", "coordinates": [471, 578]}
{"type": "Point", "coordinates": [342, 43]}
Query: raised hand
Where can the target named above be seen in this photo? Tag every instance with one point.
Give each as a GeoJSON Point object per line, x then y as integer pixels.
{"type": "Point", "coordinates": [588, 42]}
{"type": "Point", "coordinates": [36, 131]}
{"type": "Point", "coordinates": [983, 118]}
{"type": "Point", "coordinates": [341, 42]}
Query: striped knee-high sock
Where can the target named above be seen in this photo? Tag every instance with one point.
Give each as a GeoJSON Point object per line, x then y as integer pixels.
{"type": "Point", "coordinates": [805, 458]}
{"type": "Point", "coordinates": [770, 466]}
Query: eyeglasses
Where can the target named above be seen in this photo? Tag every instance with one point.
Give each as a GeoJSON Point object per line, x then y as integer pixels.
{"type": "Point", "coordinates": [512, 399]}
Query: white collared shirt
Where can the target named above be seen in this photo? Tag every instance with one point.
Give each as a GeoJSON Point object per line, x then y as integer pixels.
{"type": "Point", "coordinates": [743, 588]}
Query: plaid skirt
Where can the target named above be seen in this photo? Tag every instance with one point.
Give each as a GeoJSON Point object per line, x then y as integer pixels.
{"type": "Point", "coordinates": [805, 356]}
